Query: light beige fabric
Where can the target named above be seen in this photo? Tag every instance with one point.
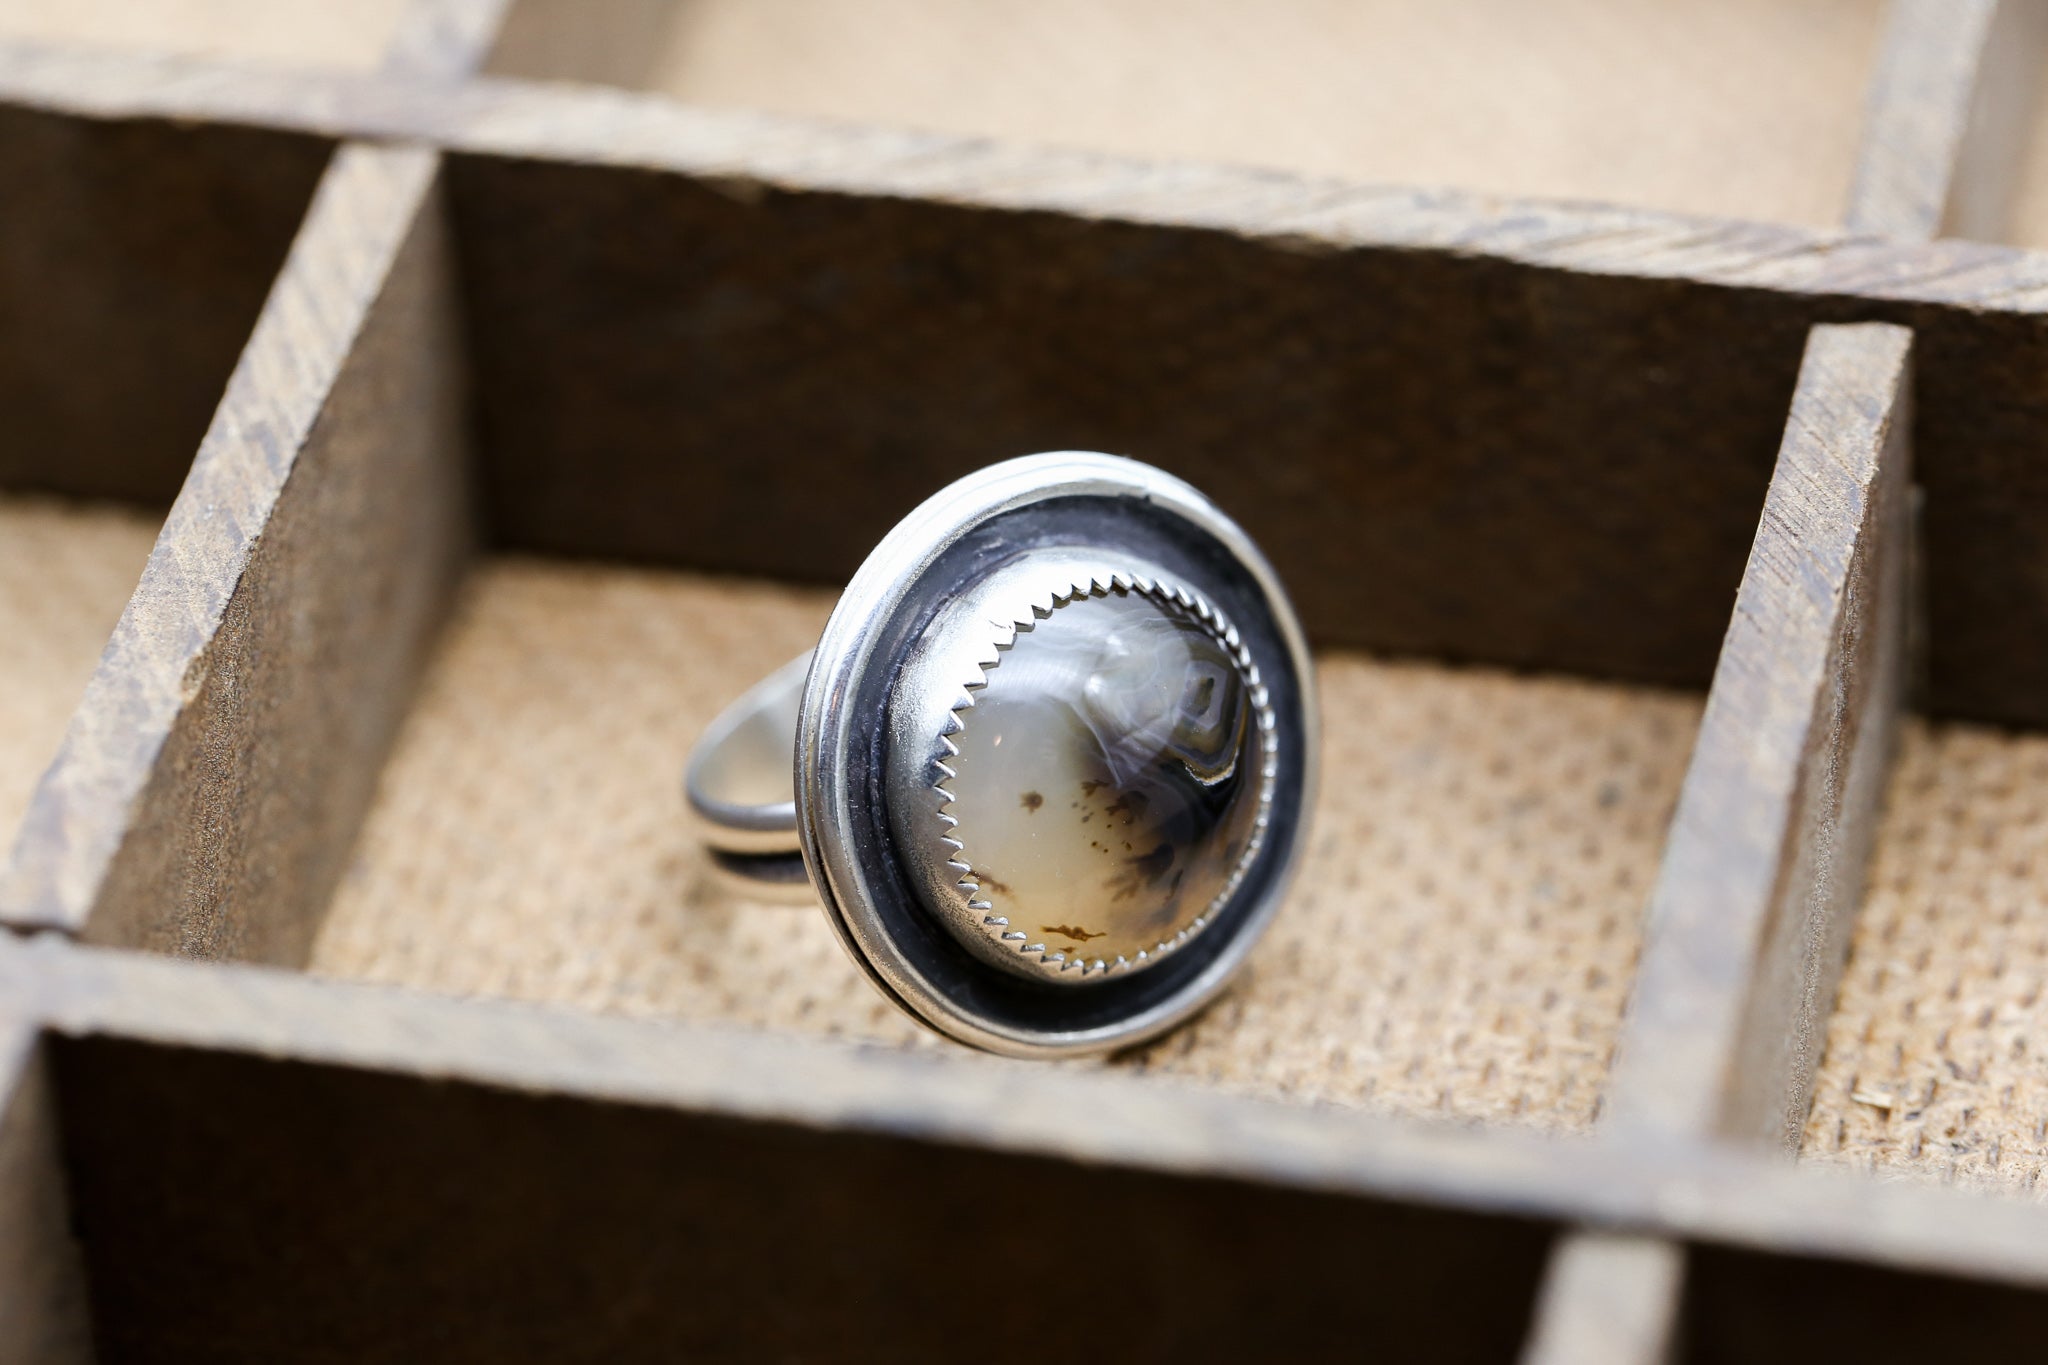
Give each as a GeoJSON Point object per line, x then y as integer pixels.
{"type": "Point", "coordinates": [1461, 942]}
{"type": "Point", "coordinates": [338, 33]}
{"type": "Point", "coordinates": [1935, 1053]}
{"type": "Point", "coordinates": [66, 571]}
{"type": "Point", "coordinates": [1742, 108]}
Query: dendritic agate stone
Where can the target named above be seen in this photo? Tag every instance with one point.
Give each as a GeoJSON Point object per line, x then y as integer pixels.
{"type": "Point", "coordinates": [1108, 781]}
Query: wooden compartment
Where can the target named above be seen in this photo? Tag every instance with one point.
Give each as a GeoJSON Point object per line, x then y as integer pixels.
{"type": "Point", "coordinates": [529, 840]}
{"type": "Point", "coordinates": [566, 410]}
{"type": "Point", "coordinates": [134, 256]}
{"type": "Point", "coordinates": [702, 1236]}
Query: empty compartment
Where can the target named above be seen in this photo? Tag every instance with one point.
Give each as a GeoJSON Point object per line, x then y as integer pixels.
{"type": "Point", "coordinates": [680, 452]}
{"type": "Point", "coordinates": [1933, 1060]}
{"type": "Point", "coordinates": [1747, 110]}
{"type": "Point", "coordinates": [133, 259]}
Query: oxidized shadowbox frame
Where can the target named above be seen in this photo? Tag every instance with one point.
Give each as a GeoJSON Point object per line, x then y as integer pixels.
{"type": "Point", "coordinates": [466, 341]}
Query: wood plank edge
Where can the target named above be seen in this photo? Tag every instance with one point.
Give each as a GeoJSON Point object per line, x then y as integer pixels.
{"type": "Point", "coordinates": [748, 153]}
{"type": "Point", "coordinates": [157, 659]}
{"type": "Point", "coordinates": [1917, 113]}
{"type": "Point", "coordinates": [1669, 1190]}
{"type": "Point", "coordinates": [1607, 1298]}
{"type": "Point", "coordinates": [257, 795]}
{"type": "Point", "coordinates": [1763, 863]}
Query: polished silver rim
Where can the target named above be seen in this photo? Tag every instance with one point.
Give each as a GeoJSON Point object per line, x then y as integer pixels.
{"type": "Point", "coordinates": [1062, 500]}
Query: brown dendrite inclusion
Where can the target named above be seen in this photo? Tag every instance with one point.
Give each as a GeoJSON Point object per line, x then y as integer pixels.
{"type": "Point", "coordinates": [1109, 779]}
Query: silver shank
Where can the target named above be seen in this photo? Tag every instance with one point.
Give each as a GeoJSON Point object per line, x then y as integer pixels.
{"type": "Point", "coordinates": [739, 780]}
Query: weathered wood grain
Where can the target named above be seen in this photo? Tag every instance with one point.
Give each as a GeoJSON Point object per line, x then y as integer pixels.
{"type": "Point", "coordinates": [1748, 921]}
{"type": "Point", "coordinates": [42, 1288]}
{"type": "Point", "coordinates": [588, 126]}
{"type": "Point", "coordinates": [1593, 392]}
{"type": "Point", "coordinates": [227, 744]}
{"type": "Point", "coordinates": [1597, 393]}
{"type": "Point", "coordinates": [1919, 112]}
{"type": "Point", "coordinates": [487, 1225]}
{"type": "Point", "coordinates": [772, 399]}
{"type": "Point", "coordinates": [429, 1045]}
{"type": "Point", "coordinates": [1950, 107]}
{"type": "Point", "coordinates": [133, 260]}
{"type": "Point", "coordinates": [449, 39]}
{"type": "Point", "coordinates": [1944, 106]}
{"type": "Point", "coordinates": [1763, 868]}
{"type": "Point", "coordinates": [1607, 1299]}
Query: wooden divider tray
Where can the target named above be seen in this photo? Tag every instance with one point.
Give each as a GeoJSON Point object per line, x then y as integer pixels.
{"type": "Point", "coordinates": [366, 996]}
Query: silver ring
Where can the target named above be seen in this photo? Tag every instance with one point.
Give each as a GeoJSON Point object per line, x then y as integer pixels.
{"type": "Point", "coordinates": [1105, 876]}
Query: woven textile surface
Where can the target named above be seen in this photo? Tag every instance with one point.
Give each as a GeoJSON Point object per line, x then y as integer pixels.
{"type": "Point", "coordinates": [1934, 1057]}
{"type": "Point", "coordinates": [1460, 941]}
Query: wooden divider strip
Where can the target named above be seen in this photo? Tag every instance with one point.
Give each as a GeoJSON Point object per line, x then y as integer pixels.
{"type": "Point", "coordinates": [1607, 1299]}
{"type": "Point", "coordinates": [601, 127]}
{"type": "Point", "coordinates": [229, 740]}
{"type": "Point", "coordinates": [1950, 108]}
{"type": "Point", "coordinates": [1920, 103]}
{"type": "Point", "coordinates": [1946, 109]}
{"type": "Point", "coordinates": [622, 1064]}
{"type": "Point", "coordinates": [1764, 864]}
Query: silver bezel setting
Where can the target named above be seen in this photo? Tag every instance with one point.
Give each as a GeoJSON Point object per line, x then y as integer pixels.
{"type": "Point", "coordinates": [1035, 516]}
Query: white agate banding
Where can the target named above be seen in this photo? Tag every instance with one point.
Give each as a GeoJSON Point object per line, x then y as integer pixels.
{"type": "Point", "coordinates": [1100, 779]}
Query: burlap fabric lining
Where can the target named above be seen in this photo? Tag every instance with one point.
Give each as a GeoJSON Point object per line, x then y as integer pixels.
{"type": "Point", "coordinates": [1461, 942]}
{"type": "Point", "coordinates": [66, 571]}
{"type": "Point", "coordinates": [1742, 108]}
{"type": "Point", "coordinates": [1934, 1057]}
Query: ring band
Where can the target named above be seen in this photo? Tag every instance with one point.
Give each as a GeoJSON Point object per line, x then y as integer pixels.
{"type": "Point", "coordinates": [1105, 875]}
{"type": "Point", "coordinates": [738, 780]}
